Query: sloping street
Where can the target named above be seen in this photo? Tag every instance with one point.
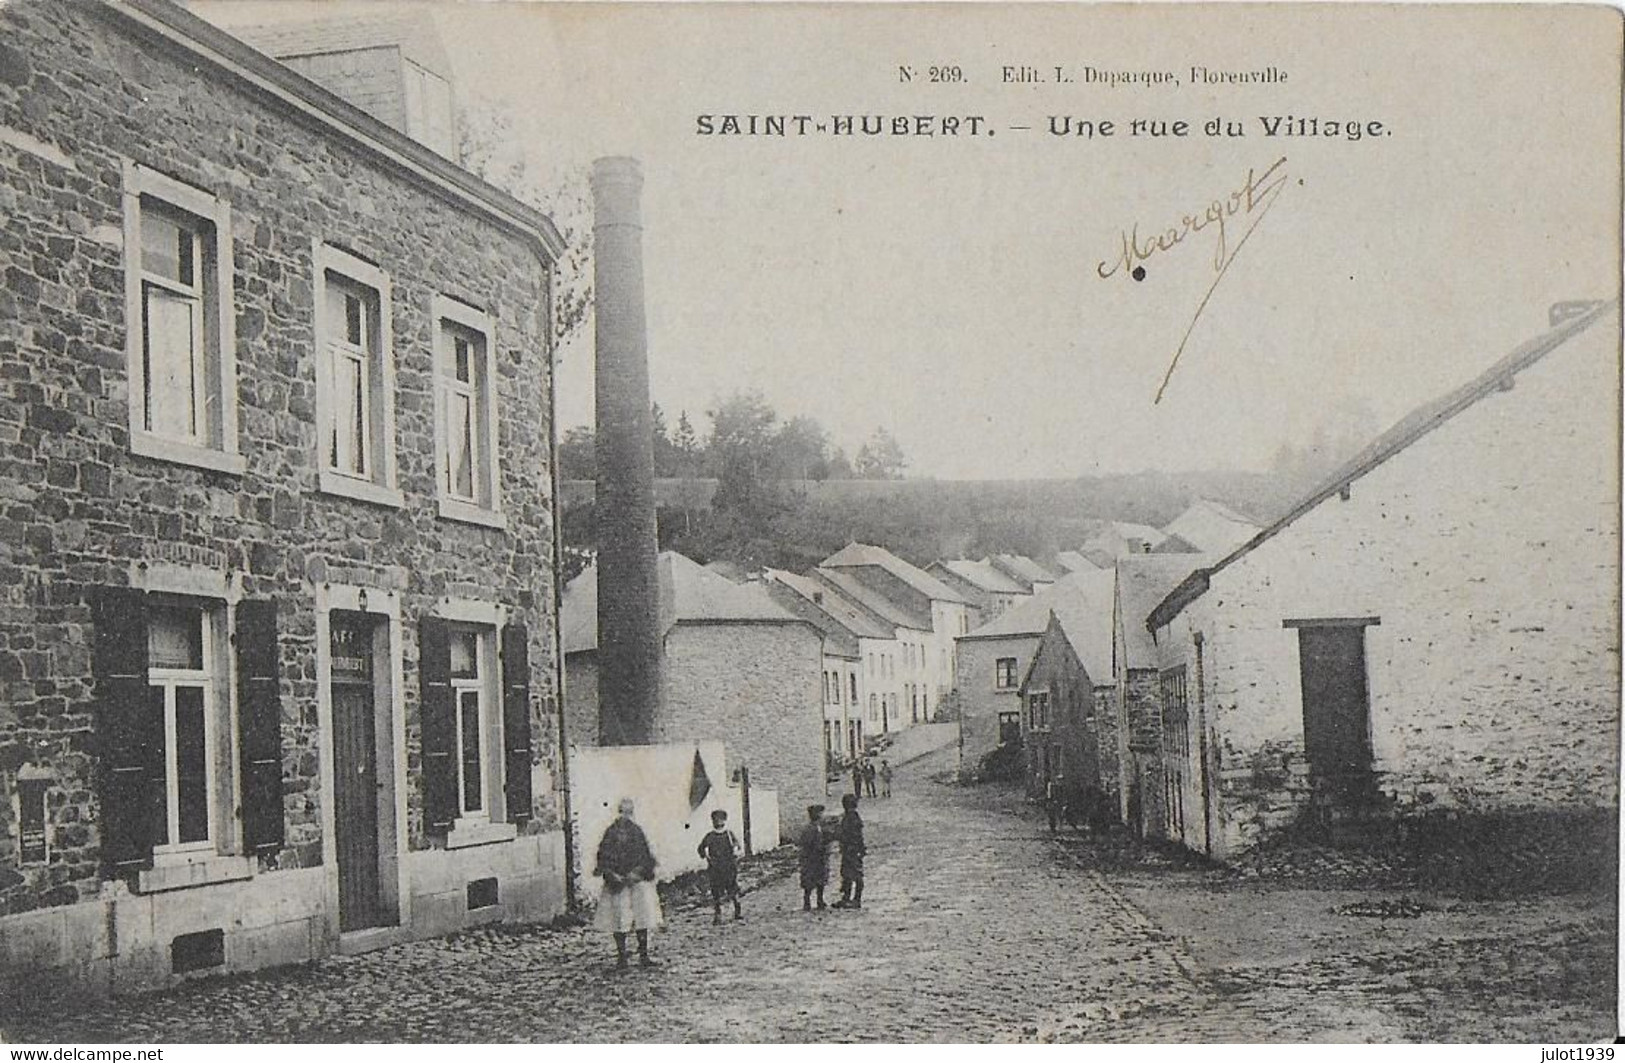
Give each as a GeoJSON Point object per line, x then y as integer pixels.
{"type": "Point", "coordinates": [978, 925]}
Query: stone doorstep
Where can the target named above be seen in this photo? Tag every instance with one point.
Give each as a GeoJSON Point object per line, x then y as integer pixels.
{"type": "Point", "coordinates": [355, 942]}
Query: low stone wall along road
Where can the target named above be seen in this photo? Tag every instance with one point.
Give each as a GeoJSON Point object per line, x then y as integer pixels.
{"type": "Point", "coordinates": [977, 925]}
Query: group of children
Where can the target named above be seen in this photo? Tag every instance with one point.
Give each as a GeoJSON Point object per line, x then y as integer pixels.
{"type": "Point", "coordinates": [864, 775]}
{"type": "Point", "coordinates": [720, 849]}
{"type": "Point", "coordinates": [813, 848]}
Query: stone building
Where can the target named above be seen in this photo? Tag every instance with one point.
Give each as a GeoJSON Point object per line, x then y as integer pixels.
{"type": "Point", "coordinates": [1433, 632]}
{"type": "Point", "coordinates": [896, 670]}
{"type": "Point", "coordinates": [1143, 580]}
{"type": "Point", "coordinates": [1068, 696]}
{"type": "Point", "coordinates": [989, 591]}
{"type": "Point", "coordinates": [1117, 538]}
{"type": "Point", "coordinates": [917, 602]}
{"type": "Point", "coordinates": [852, 641]}
{"type": "Point", "coordinates": [1208, 527]}
{"type": "Point", "coordinates": [736, 668]}
{"type": "Point", "coordinates": [993, 660]}
{"type": "Point", "coordinates": [1073, 561]}
{"type": "Point", "coordinates": [277, 644]}
{"type": "Point", "coordinates": [1027, 573]}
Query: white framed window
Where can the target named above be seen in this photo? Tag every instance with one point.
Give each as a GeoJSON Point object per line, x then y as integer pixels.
{"type": "Point", "coordinates": [180, 340]}
{"type": "Point", "coordinates": [468, 480]}
{"type": "Point", "coordinates": [1004, 673]}
{"type": "Point", "coordinates": [474, 700]}
{"type": "Point", "coordinates": [182, 686]}
{"type": "Point", "coordinates": [355, 378]}
{"type": "Point", "coordinates": [477, 744]}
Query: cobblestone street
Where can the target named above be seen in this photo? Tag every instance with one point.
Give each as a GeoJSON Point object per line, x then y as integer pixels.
{"type": "Point", "coordinates": [977, 926]}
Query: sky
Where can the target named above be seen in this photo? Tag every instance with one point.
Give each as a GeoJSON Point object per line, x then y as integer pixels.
{"type": "Point", "coordinates": [948, 289]}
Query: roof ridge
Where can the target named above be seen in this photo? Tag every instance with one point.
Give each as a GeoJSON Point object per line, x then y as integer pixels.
{"type": "Point", "coordinates": [1398, 437]}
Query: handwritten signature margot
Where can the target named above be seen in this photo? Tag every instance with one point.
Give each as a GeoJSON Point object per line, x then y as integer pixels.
{"type": "Point", "coordinates": [1244, 208]}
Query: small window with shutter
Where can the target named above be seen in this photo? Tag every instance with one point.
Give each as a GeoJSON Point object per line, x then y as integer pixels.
{"type": "Point", "coordinates": [476, 726]}
{"type": "Point", "coordinates": [167, 779]}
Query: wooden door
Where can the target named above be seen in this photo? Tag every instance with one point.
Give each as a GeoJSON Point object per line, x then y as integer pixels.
{"type": "Point", "coordinates": [355, 771]}
{"type": "Point", "coordinates": [1336, 705]}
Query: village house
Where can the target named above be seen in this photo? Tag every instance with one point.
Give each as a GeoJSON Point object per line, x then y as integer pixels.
{"type": "Point", "coordinates": [1143, 728]}
{"type": "Point", "coordinates": [1431, 632]}
{"type": "Point", "coordinates": [1068, 697]}
{"type": "Point", "coordinates": [1207, 527]}
{"type": "Point", "coordinates": [277, 647]}
{"type": "Point", "coordinates": [918, 602]}
{"type": "Point", "coordinates": [893, 668]}
{"type": "Point", "coordinates": [736, 668]}
{"type": "Point", "coordinates": [1073, 561]}
{"type": "Point", "coordinates": [1116, 538]}
{"type": "Point", "coordinates": [993, 660]}
{"type": "Point", "coordinates": [989, 591]}
{"type": "Point", "coordinates": [1029, 574]}
{"type": "Point", "coordinates": [852, 638]}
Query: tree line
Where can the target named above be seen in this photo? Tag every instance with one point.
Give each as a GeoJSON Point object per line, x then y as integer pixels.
{"type": "Point", "coordinates": [747, 444]}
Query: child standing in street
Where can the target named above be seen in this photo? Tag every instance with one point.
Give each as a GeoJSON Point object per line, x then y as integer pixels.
{"type": "Point", "coordinates": [850, 833]}
{"type": "Point", "coordinates": [812, 847]}
{"type": "Point", "coordinates": [720, 850]}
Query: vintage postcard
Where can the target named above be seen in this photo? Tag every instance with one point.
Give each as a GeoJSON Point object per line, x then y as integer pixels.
{"type": "Point", "coordinates": [778, 522]}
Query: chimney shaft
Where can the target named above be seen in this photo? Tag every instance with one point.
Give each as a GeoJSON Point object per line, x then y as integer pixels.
{"type": "Point", "coordinates": [628, 560]}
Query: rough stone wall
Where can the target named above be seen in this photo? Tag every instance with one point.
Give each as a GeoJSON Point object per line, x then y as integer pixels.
{"type": "Point", "coordinates": [79, 94]}
{"type": "Point", "coordinates": [756, 688]}
{"type": "Point", "coordinates": [1071, 738]}
{"type": "Point", "coordinates": [1105, 698]}
{"type": "Point", "coordinates": [1140, 717]}
{"type": "Point", "coordinates": [1488, 549]}
{"type": "Point", "coordinates": [980, 702]}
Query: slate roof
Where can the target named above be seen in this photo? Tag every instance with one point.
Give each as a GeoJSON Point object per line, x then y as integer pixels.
{"type": "Point", "coordinates": [1112, 538]}
{"type": "Point", "coordinates": [859, 555]}
{"type": "Point", "coordinates": [728, 570]}
{"type": "Point", "coordinates": [688, 595]}
{"type": "Point", "coordinates": [880, 607]}
{"type": "Point", "coordinates": [1023, 568]}
{"type": "Point", "coordinates": [1143, 581]}
{"type": "Point", "coordinates": [1407, 430]}
{"type": "Point", "coordinates": [1212, 527]}
{"type": "Point", "coordinates": [840, 609]}
{"type": "Point", "coordinates": [1082, 602]}
{"type": "Point", "coordinates": [1027, 617]}
{"type": "Point", "coordinates": [1178, 544]}
{"type": "Point", "coordinates": [1072, 561]}
{"type": "Point", "coordinates": [983, 575]}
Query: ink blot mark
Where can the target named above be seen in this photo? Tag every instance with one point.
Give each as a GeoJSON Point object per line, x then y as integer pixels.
{"type": "Point", "coordinates": [1139, 273]}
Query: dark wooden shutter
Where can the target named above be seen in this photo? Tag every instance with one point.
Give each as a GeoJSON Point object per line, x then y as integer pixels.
{"type": "Point", "coordinates": [516, 738]}
{"type": "Point", "coordinates": [438, 725]}
{"type": "Point", "coordinates": [259, 722]}
{"type": "Point", "coordinates": [129, 732]}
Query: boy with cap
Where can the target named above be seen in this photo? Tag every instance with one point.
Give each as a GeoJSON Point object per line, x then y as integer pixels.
{"type": "Point", "coordinates": [720, 850]}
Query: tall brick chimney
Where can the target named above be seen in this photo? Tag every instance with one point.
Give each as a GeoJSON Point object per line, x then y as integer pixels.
{"type": "Point", "coordinates": [629, 641]}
